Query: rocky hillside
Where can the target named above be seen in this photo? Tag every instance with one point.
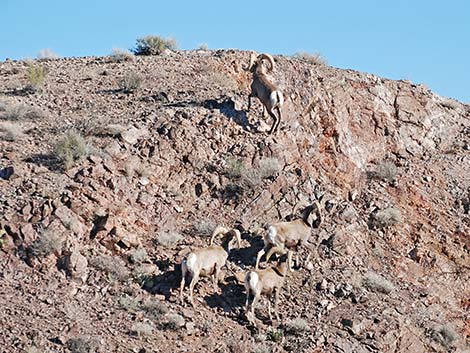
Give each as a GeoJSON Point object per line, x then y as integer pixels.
{"type": "Point", "coordinates": [113, 168]}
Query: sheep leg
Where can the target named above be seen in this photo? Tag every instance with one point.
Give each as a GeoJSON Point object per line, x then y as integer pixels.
{"type": "Point", "coordinates": [279, 119]}
{"type": "Point", "coordinates": [275, 121]}
{"type": "Point", "coordinates": [249, 103]}
{"type": "Point", "coordinates": [183, 278]}
{"type": "Point", "coordinates": [260, 255]}
{"type": "Point", "coordinates": [216, 279]}
{"type": "Point", "coordinates": [269, 308]}
{"type": "Point", "coordinates": [191, 287]}
{"type": "Point", "coordinates": [289, 260]}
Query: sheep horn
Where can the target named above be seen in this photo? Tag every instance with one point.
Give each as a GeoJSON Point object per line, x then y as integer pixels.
{"type": "Point", "coordinates": [267, 57]}
{"type": "Point", "coordinates": [218, 230]}
{"type": "Point", "coordinates": [252, 60]}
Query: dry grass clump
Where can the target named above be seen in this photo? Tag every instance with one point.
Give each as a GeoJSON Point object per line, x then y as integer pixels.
{"type": "Point", "coordinates": [154, 309]}
{"type": "Point", "coordinates": [444, 335]}
{"type": "Point", "coordinates": [386, 170]}
{"type": "Point", "coordinates": [71, 148]}
{"type": "Point", "coordinates": [297, 326]}
{"type": "Point", "coordinates": [83, 344]}
{"type": "Point", "coordinates": [121, 55]}
{"type": "Point", "coordinates": [275, 335]}
{"type": "Point", "coordinates": [205, 228]}
{"type": "Point", "coordinates": [19, 111]}
{"type": "Point", "coordinates": [234, 168]}
{"type": "Point", "coordinates": [47, 54]}
{"type": "Point", "coordinates": [168, 239]}
{"type": "Point", "coordinates": [175, 321]}
{"type": "Point", "coordinates": [130, 82]}
{"type": "Point", "coordinates": [138, 256]}
{"type": "Point", "coordinates": [386, 218]}
{"type": "Point", "coordinates": [315, 58]}
{"type": "Point", "coordinates": [114, 267]}
{"type": "Point", "coordinates": [141, 329]}
{"type": "Point", "coordinates": [377, 283]}
{"type": "Point", "coordinates": [36, 75]}
{"type": "Point", "coordinates": [154, 45]}
{"type": "Point", "coordinates": [10, 131]}
{"type": "Point", "coordinates": [46, 244]}
{"type": "Point", "coordinates": [269, 167]}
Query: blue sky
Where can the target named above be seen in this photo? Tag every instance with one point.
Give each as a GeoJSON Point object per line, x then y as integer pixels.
{"type": "Point", "coordinates": [426, 42]}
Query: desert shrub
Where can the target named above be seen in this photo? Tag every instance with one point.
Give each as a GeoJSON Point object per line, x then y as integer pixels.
{"type": "Point", "coordinates": [71, 148]}
{"type": "Point", "coordinates": [36, 76]}
{"type": "Point", "coordinates": [386, 170]}
{"type": "Point", "coordinates": [83, 344]}
{"type": "Point", "coordinates": [114, 267]}
{"type": "Point", "coordinates": [205, 228]}
{"type": "Point", "coordinates": [203, 46]}
{"type": "Point", "coordinates": [154, 45]}
{"type": "Point", "coordinates": [46, 54]}
{"type": "Point", "coordinates": [377, 283]}
{"type": "Point", "coordinates": [175, 321]}
{"type": "Point", "coordinates": [385, 218]}
{"type": "Point", "coordinates": [269, 167]}
{"type": "Point", "coordinates": [315, 58]}
{"type": "Point", "coordinates": [234, 168]}
{"type": "Point", "coordinates": [130, 82]}
{"type": "Point", "coordinates": [10, 131]}
{"type": "Point", "coordinates": [19, 111]}
{"type": "Point", "coordinates": [46, 244]}
{"type": "Point", "coordinates": [154, 309]}
{"type": "Point", "coordinates": [128, 302]}
{"type": "Point", "coordinates": [141, 329]}
{"type": "Point", "coordinates": [121, 55]}
{"type": "Point", "coordinates": [297, 326]}
{"type": "Point", "coordinates": [168, 239]}
{"type": "Point", "coordinates": [445, 335]}
{"type": "Point", "coordinates": [138, 255]}
{"type": "Point", "coordinates": [275, 335]}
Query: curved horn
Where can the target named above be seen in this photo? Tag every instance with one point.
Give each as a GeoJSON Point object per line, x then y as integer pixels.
{"type": "Point", "coordinates": [218, 230]}
{"type": "Point", "coordinates": [274, 250]}
{"type": "Point", "coordinates": [252, 60]}
{"type": "Point", "coordinates": [267, 57]}
{"type": "Point", "coordinates": [238, 237]}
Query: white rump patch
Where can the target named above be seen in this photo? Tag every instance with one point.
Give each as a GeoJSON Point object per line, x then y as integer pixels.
{"type": "Point", "coordinates": [272, 232]}
{"type": "Point", "coordinates": [254, 279]}
{"type": "Point", "coordinates": [191, 261]}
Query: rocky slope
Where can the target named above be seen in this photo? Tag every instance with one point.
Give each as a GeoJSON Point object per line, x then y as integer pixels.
{"type": "Point", "coordinates": [90, 253]}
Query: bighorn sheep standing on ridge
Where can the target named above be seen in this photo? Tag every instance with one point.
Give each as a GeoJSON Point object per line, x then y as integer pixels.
{"type": "Point", "coordinates": [283, 237]}
{"type": "Point", "coordinates": [266, 282]}
{"type": "Point", "coordinates": [208, 261]}
{"type": "Point", "coordinates": [266, 91]}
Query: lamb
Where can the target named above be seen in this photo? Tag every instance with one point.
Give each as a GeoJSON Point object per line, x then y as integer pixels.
{"type": "Point", "coordinates": [264, 89]}
{"type": "Point", "coordinates": [208, 261]}
{"type": "Point", "coordinates": [285, 237]}
{"type": "Point", "coordinates": [265, 282]}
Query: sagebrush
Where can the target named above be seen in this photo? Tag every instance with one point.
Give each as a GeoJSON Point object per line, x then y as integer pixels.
{"type": "Point", "coordinates": [154, 45]}
{"type": "Point", "coordinates": [71, 148]}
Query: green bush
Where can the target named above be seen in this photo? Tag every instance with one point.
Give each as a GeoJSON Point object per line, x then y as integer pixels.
{"type": "Point", "coordinates": [154, 45]}
{"type": "Point", "coordinates": [71, 148]}
{"type": "Point", "coordinates": [315, 58]}
{"type": "Point", "coordinates": [36, 75]}
{"type": "Point", "coordinates": [130, 82]}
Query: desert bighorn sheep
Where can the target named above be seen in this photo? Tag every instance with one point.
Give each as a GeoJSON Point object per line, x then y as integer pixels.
{"type": "Point", "coordinates": [284, 237]}
{"type": "Point", "coordinates": [265, 90]}
{"type": "Point", "coordinates": [208, 261]}
{"type": "Point", "coordinates": [266, 282]}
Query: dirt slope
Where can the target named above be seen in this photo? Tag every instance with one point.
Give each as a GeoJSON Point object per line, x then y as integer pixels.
{"type": "Point", "coordinates": [89, 257]}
